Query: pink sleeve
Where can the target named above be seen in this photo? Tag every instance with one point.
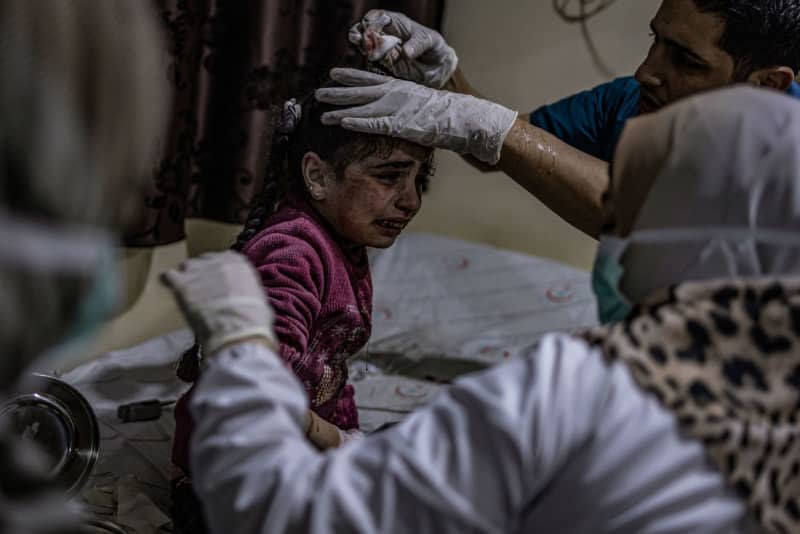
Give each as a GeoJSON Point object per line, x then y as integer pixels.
{"type": "Point", "coordinates": [292, 272]}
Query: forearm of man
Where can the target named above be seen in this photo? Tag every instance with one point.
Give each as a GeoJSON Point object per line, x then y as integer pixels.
{"type": "Point", "coordinates": [567, 180]}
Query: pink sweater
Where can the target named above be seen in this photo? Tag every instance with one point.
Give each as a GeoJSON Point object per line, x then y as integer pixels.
{"type": "Point", "coordinates": [322, 297]}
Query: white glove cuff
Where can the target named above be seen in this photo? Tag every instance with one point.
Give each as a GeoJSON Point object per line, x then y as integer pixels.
{"type": "Point", "coordinates": [486, 142]}
{"type": "Point", "coordinates": [221, 339]}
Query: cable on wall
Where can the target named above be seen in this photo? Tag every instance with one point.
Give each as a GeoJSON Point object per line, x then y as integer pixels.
{"type": "Point", "coordinates": [585, 10]}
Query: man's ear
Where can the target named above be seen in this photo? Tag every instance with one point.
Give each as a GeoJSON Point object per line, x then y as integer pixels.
{"type": "Point", "coordinates": [779, 78]}
{"type": "Point", "coordinates": [316, 175]}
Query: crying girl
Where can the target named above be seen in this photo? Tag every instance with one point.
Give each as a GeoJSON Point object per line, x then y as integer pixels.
{"type": "Point", "coordinates": [331, 194]}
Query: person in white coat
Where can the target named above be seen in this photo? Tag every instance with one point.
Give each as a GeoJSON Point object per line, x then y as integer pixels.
{"type": "Point", "coordinates": [82, 103]}
{"type": "Point", "coordinates": [681, 417]}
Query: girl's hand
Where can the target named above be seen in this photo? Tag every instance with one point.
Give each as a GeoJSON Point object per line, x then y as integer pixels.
{"type": "Point", "coordinates": [322, 434]}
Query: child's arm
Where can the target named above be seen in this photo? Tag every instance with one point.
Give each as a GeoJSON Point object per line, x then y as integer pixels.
{"type": "Point", "coordinates": [321, 433]}
{"type": "Point", "coordinates": [293, 274]}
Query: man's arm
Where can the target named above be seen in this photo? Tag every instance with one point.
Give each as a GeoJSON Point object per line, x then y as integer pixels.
{"type": "Point", "coordinates": [568, 181]}
{"type": "Point", "coordinates": [565, 179]}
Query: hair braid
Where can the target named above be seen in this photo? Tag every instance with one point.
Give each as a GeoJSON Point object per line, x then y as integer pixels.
{"type": "Point", "coordinates": [275, 189]}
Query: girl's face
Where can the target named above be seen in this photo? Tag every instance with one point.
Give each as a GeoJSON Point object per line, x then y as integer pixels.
{"type": "Point", "coordinates": [376, 197]}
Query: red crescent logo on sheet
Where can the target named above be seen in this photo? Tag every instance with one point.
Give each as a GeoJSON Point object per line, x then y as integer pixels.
{"type": "Point", "coordinates": [411, 391]}
{"type": "Point", "coordinates": [560, 294]}
{"type": "Point", "coordinates": [383, 313]}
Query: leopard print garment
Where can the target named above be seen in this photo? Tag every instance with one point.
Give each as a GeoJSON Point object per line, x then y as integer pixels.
{"type": "Point", "coordinates": [724, 357]}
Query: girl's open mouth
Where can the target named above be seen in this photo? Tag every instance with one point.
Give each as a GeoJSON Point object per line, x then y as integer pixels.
{"type": "Point", "coordinates": [391, 224]}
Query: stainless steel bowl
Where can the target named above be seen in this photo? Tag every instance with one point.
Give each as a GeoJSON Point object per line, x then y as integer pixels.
{"type": "Point", "coordinates": [56, 417]}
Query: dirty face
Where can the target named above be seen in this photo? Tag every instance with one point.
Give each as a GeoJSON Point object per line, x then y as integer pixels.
{"type": "Point", "coordinates": [684, 58]}
{"type": "Point", "coordinates": [376, 197]}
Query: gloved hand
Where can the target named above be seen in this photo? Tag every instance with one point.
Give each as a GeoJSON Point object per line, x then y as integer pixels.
{"type": "Point", "coordinates": [423, 57]}
{"type": "Point", "coordinates": [398, 108]}
{"type": "Point", "coordinates": [223, 300]}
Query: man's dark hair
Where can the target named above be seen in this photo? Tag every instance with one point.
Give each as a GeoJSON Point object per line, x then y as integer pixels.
{"type": "Point", "coordinates": [758, 33]}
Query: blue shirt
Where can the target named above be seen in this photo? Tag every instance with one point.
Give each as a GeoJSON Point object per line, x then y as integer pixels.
{"type": "Point", "coordinates": [592, 120]}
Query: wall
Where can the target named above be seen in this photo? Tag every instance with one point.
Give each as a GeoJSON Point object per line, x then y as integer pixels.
{"type": "Point", "coordinates": [520, 54]}
{"type": "Point", "coordinates": [149, 309]}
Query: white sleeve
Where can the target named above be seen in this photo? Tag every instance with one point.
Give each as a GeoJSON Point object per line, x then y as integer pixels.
{"type": "Point", "coordinates": [469, 462]}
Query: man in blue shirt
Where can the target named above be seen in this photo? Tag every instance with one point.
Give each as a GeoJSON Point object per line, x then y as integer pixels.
{"type": "Point", "coordinates": [752, 41]}
{"type": "Point", "coordinates": [560, 152]}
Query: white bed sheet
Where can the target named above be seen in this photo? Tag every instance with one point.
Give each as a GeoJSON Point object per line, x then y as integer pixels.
{"type": "Point", "coordinates": [130, 483]}
{"type": "Point", "coordinates": [442, 307]}
{"type": "Point", "coordinates": [440, 296]}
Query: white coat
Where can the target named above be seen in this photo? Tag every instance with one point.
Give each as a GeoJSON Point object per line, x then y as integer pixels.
{"type": "Point", "coordinates": [555, 441]}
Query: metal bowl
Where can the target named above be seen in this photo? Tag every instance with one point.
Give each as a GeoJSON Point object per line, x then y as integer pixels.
{"type": "Point", "coordinates": [56, 417]}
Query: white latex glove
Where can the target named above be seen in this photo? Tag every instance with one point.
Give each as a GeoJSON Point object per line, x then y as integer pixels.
{"type": "Point", "coordinates": [422, 56]}
{"type": "Point", "coordinates": [222, 298]}
{"type": "Point", "coordinates": [430, 117]}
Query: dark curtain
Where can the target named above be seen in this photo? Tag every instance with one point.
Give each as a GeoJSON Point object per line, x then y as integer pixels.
{"type": "Point", "coordinates": [230, 62]}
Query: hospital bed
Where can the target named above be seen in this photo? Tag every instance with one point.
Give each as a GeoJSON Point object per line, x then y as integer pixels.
{"type": "Point", "coordinates": [442, 308]}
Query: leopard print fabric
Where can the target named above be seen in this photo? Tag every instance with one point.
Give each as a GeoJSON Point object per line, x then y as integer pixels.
{"type": "Point", "coordinates": [724, 357]}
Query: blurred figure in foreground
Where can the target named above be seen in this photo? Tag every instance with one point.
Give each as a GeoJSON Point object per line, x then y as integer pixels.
{"type": "Point", "coordinates": [81, 107]}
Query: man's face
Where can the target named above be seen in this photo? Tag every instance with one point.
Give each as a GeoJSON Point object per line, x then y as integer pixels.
{"type": "Point", "coordinates": [685, 58]}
